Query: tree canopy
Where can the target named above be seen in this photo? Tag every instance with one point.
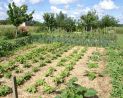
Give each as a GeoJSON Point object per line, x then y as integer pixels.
{"type": "Point", "coordinates": [90, 19]}
{"type": "Point", "coordinates": [18, 15]}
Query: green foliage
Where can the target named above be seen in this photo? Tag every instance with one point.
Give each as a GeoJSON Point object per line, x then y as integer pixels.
{"type": "Point", "coordinates": [7, 74]}
{"type": "Point", "coordinates": [49, 21]}
{"type": "Point", "coordinates": [4, 90]}
{"type": "Point", "coordinates": [115, 70]}
{"type": "Point", "coordinates": [18, 15]}
{"type": "Point", "coordinates": [32, 89]}
{"type": "Point", "coordinates": [92, 65]}
{"type": "Point", "coordinates": [84, 38]}
{"type": "Point", "coordinates": [27, 65]}
{"type": "Point", "coordinates": [90, 93]}
{"type": "Point", "coordinates": [48, 89]}
{"type": "Point", "coordinates": [24, 78]}
{"type": "Point", "coordinates": [90, 20]}
{"type": "Point", "coordinates": [74, 90]}
{"type": "Point", "coordinates": [18, 70]}
{"type": "Point", "coordinates": [49, 71]}
{"type": "Point", "coordinates": [7, 46]}
{"type": "Point", "coordinates": [91, 75]}
{"type": "Point", "coordinates": [108, 21]}
{"type": "Point", "coordinates": [35, 69]}
{"type": "Point", "coordinates": [95, 56]}
{"type": "Point", "coordinates": [40, 82]}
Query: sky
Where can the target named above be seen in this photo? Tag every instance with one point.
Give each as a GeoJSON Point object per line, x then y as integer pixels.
{"type": "Point", "coordinates": [73, 8]}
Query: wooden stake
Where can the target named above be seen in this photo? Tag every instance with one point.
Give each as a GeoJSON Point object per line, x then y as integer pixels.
{"type": "Point", "coordinates": [15, 93]}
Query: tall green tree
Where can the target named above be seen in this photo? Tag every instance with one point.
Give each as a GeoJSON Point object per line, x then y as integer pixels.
{"type": "Point", "coordinates": [18, 15]}
{"type": "Point", "coordinates": [60, 19]}
{"type": "Point", "coordinates": [90, 20]}
{"type": "Point", "coordinates": [49, 21]}
{"type": "Point", "coordinates": [108, 21]}
{"type": "Point", "coordinates": [70, 24]}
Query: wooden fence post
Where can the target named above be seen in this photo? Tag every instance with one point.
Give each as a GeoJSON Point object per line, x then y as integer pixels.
{"type": "Point", "coordinates": [14, 88]}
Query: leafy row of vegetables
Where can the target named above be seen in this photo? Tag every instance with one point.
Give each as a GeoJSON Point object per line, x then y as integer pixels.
{"type": "Point", "coordinates": [115, 70]}
{"type": "Point", "coordinates": [71, 61]}
{"type": "Point", "coordinates": [84, 38]}
{"type": "Point", "coordinates": [74, 90]}
{"type": "Point", "coordinates": [93, 63]}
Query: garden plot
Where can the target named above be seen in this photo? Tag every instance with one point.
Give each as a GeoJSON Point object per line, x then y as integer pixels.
{"type": "Point", "coordinates": [46, 70]}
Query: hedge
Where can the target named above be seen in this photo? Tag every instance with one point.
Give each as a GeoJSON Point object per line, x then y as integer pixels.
{"type": "Point", "coordinates": [7, 46]}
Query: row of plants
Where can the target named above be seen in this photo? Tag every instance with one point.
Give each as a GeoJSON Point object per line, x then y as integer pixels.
{"type": "Point", "coordinates": [71, 61]}
{"type": "Point", "coordinates": [22, 80]}
{"type": "Point", "coordinates": [93, 63]}
{"type": "Point", "coordinates": [85, 38]}
{"type": "Point", "coordinates": [4, 90]}
{"type": "Point", "coordinates": [40, 82]}
{"type": "Point", "coordinates": [115, 70]}
{"type": "Point", "coordinates": [74, 90]}
{"type": "Point", "coordinates": [7, 68]}
{"type": "Point", "coordinates": [94, 59]}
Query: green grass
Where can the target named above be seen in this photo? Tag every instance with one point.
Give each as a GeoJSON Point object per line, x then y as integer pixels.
{"type": "Point", "coordinates": [120, 40]}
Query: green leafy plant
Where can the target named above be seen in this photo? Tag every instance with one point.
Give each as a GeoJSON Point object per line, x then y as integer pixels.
{"type": "Point", "coordinates": [49, 71]}
{"type": "Point", "coordinates": [27, 65]}
{"type": "Point", "coordinates": [7, 74]}
{"type": "Point", "coordinates": [35, 69]}
{"type": "Point", "coordinates": [74, 90]}
{"type": "Point", "coordinates": [40, 82]}
{"type": "Point", "coordinates": [92, 65]}
{"type": "Point", "coordinates": [91, 75]}
{"type": "Point", "coordinates": [4, 90]}
{"type": "Point", "coordinates": [18, 70]}
{"type": "Point", "coordinates": [48, 89]}
{"type": "Point", "coordinates": [32, 89]}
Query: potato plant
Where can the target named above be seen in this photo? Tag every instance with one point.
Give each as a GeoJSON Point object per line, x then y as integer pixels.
{"type": "Point", "coordinates": [74, 90]}
{"type": "Point", "coordinates": [4, 90]}
{"type": "Point", "coordinates": [49, 72]}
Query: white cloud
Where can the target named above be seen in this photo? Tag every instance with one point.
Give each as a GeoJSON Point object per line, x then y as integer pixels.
{"type": "Point", "coordinates": [54, 9]}
{"type": "Point", "coordinates": [3, 15]}
{"type": "Point", "coordinates": [56, 2]}
{"type": "Point", "coordinates": [71, 12]}
{"type": "Point", "coordinates": [106, 5]}
{"type": "Point", "coordinates": [38, 16]}
{"type": "Point", "coordinates": [35, 1]}
{"type": "Point", "coordinates": [20, 2]}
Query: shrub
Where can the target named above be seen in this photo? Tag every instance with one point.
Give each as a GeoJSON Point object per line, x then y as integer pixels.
{"type": "Point", "coordinates": [9, 33]}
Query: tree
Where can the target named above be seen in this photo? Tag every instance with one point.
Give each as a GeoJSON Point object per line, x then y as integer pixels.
{"type": "Point", "coordinates": [90, 20]}
{"type": "Point", "coordinates": [60, 20]}
{"type": "Point", "coordinates": [108, 21]}
{"type": "Point", "coordinates": [18, 15]}
{"type": "Point", "coordinates": [70, 24]}
{"type": "Point", "coordinates": [49, 21]}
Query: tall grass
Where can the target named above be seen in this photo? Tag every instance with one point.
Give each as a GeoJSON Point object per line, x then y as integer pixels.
{"type": "Point", "coordinates": [119, 30]}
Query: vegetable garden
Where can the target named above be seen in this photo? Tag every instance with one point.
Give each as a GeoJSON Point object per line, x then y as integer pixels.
{"type": "Point", "coordinates": [62, 57]}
